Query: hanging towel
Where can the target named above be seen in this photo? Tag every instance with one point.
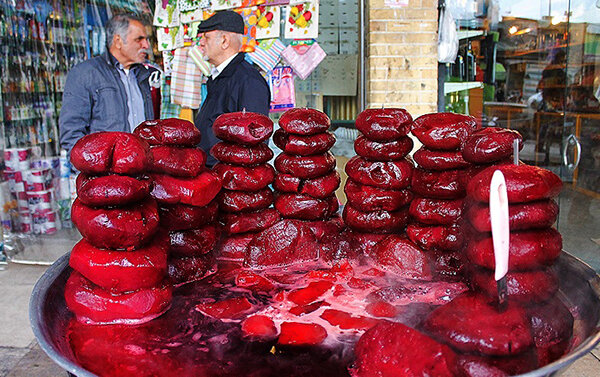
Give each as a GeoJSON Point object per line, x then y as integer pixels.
{"type": "Point", "coordinates": [267, 54]}
{"type": "Point", "coordinates": [186, 80]}
{"type": "Point", "coordinates": [304, 59]}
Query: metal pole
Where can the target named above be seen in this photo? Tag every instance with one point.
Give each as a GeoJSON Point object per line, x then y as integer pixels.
{"type": "Point", "coordinates": [362, 61]}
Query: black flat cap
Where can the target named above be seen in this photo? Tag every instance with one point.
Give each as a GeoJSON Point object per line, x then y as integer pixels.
{"type": "Point", "coordinates": [225, 20]}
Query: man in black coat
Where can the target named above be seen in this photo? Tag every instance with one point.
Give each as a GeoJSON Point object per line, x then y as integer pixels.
{"type": "Point", "coordinates": [234, 84]}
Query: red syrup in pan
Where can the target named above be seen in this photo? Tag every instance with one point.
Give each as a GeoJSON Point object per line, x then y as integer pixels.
{"type": "Point", "coordinates": [201, 334]}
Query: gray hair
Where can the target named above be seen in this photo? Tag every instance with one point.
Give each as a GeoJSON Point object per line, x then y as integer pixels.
{"type": "Point", "coordinates": [118, 25]}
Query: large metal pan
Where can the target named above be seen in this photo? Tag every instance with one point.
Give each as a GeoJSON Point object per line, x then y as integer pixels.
{"type": "Point", "coordinates": [49, 316]}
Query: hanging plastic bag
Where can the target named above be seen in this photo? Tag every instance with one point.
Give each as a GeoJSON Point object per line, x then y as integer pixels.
{"type": "Point", "coordinates": [447, 38]}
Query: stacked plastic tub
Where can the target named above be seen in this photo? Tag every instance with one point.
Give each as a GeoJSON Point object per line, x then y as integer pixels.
{"type": "Point", "coordinates": [185, 191]}
{"type": "Point", "coordinates": [306, 179]}
{"type": "Point", "coordinates": [377, 188]}
{"type": "Point", "coordinates": [120, 265]}
{"type": "Point", "coordinates": [246, 199]}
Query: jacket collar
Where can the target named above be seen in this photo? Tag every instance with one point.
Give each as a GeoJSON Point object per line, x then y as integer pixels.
{"type": "Point", "coordinates": [232, 66]}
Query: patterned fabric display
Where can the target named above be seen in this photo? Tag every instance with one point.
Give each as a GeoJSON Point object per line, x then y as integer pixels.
{"type": "Point", "coordinates": [196, 55]}
{"type": "Point", "coordinates": [167, 109]}
{"type": "Point", "coordinates": [267, 54]}
{"type": "Point", "coordinates": [304, 59]}
{"type": "Point", "coordinates": [188, 5]}
{"type": "Point", "coordinates": [186, 80]}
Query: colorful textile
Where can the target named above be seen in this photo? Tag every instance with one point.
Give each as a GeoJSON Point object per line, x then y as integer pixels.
{"type": "Point", "coordinates": [283, 93]}
{"type": "Point", "coordinates": [304, 58]}
{"type": "Point", "coordinates": [167, 109]}
{"type": "Point", "coordinates": [267, 54]}
{"type": "Point", "coordinates": [186, 80]}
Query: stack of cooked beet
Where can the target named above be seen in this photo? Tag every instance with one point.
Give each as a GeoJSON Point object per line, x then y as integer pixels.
{"type": "Point", "coordinates": [120, 265]}
{"type": "Point", "coordinates": [306, 178]}
{"type": "Point", "coordinates": [379, 176]}
{"type": "Point", "coordinates": [246, 198]}
{"type": "Point", "coordinates": [439, 185]}
{"type": "Point", "coordinates": [184, 190]}
{"type": "Point", "coordinates": [534, 246]}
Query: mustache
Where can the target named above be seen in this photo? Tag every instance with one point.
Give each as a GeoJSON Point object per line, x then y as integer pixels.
{"type": "Point", "coordinates": [147, 51]}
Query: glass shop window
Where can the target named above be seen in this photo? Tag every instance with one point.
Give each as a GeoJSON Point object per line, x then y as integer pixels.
{"type": "Point", "coordinates": [534, 66]}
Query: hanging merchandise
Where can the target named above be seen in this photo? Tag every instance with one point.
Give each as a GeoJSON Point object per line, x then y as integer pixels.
{"type": "Point", "coordinates": [192, 10]}
{"type": "Point", "coordinates": [195, 53]}
{"type": "Point", "coordinates": [267, 54]}
{"type": "Point", "coordinates": [168, 56]}
{"type": "Point", "coordinates": [250, 18]}
{"type": "Point", "coordinates": [225, 4]}
{"type": "Point", "coordinates": [302, 20]}
{"type": "Point", "coordinates": [167, 109]}
{"type": "Point", "coordinates": [186, 80]}
{"type": "Point", "coordinates": [277, 2]}
{"type": "Point", "coordinates": [447, 37]}
{"type": "Point", "coordinates": [283, 93]}
{"type": "Point", "coordinates": [268, 24]}
{"type": "Point", "coordinates": [303, 57]}
{"type": "Point", "coordinates": [169, 38]}
{"type": "Point", "coordinates": [251, 3]}
{"type": "Point", "coordinates": [166, 13]}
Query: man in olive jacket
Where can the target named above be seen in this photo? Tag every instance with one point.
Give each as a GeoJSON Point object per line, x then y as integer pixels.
{"type": "Point", "coordinates": [234, 84]}
{"type": "Point", "coordinates": [109, 92]}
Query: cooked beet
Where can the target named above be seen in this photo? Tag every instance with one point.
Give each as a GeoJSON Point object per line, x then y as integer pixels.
{"type": "Point", "coordinates": [240, 201]}
{"type": "Point", "coordinates": [94, 305]}
{"type": "Point", "coordinates": [121, 271]}
{"type": "Point", "coordinates": [303, 145]}
{"type": "Point", "coordinates": [390, 175]}
{"type": "Point", "coordinates": [552, 325]}
{"type": "Point", "coordinates": [303, 121]}
{"type": "Point", "coordinates": [528, 249]}
{"type": "Point", "coordinates": [490, 145]}
{"type": "Point", "coordinates": [439, 160]}
{"type": "Point", "coordinates": [184, 217]}
{"type": "Point", "coordinates": [524, 183]}
{"type": "Point", "coordinates": [443, 131]}
{"type": "Point", "coordinates": [243, 127]}
{"type": "Point", "coordinates": [197, 191]}
{"type": "Point", "coordinates": [306, 167]}
{"type": "Point", "coordinates": [236, 154]}
{"type": "Point", "coordinates": [194, 242]}
{"type": "Point", "coordinates": [111, 190]}
{"type": "Point", "coordinates": [376, 221]}
{"type": "Point", "coordinates": [234, 246]}
{"type": "Point", "coordinates": [521, 216]}
{"type": "Point", "coordinates": [370, 198]}
{"type": "Point", "coordinates": [522, 286]}
{"type": "Point", "coordinates": [184, 269]}
{"type": "Point", "coordinates": [446, 184]}
{"type": "Point", "coordinates": [472, 323]}
{"type": "Point", "coordinates": [116, 228]}
{"type": "Point", "coordinates": [436, 237]}
{"type": "Point", "coordinates": [437, 211]}
{"type": "Point", "coordinates": [384, 124]}
{"type": "Point", "coordinates": [401, 256]}
{"type": "Point", "coordinates": [320, 187]}
{"type": "Point", "coordinates": [110, 152]}
{"type": "Point", "coordinates": [171, 131]}
{"type": "Point", "coordinates": [255, 221]}
{"type": "Point", "coordinates": [383, 151]}
{"type": "Point", "coordinates": [298, 206]}
{"type": "Point", "coordinates": [245, 178]}
{"type": "Point", "coordinates": [285, 243]}
{"type": "Point", "coordinates": [394, 349]}
{"type": "Point", "coordinates": [179, 162]}
{"type": "Point", "coordinates": [364, 242]}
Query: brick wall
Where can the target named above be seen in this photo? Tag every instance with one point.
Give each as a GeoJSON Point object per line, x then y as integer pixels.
{"type": "Point", "coordinates": [402, 56]}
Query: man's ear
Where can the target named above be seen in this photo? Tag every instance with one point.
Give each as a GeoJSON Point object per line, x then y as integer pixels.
{"type": "Point", "coordinates": [226, 41]}
{"type": "Point", "coordinates": [117, 41]}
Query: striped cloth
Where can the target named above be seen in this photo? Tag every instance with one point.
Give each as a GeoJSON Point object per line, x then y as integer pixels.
{"type": "Point", "coordinates": [196, 55]}
{"type": "Point", "coordinates": [267, 54]}
{"type": "Point", "coordinates": [167, 109]}
{"type": "Point", "coordinates": [186, 80]}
